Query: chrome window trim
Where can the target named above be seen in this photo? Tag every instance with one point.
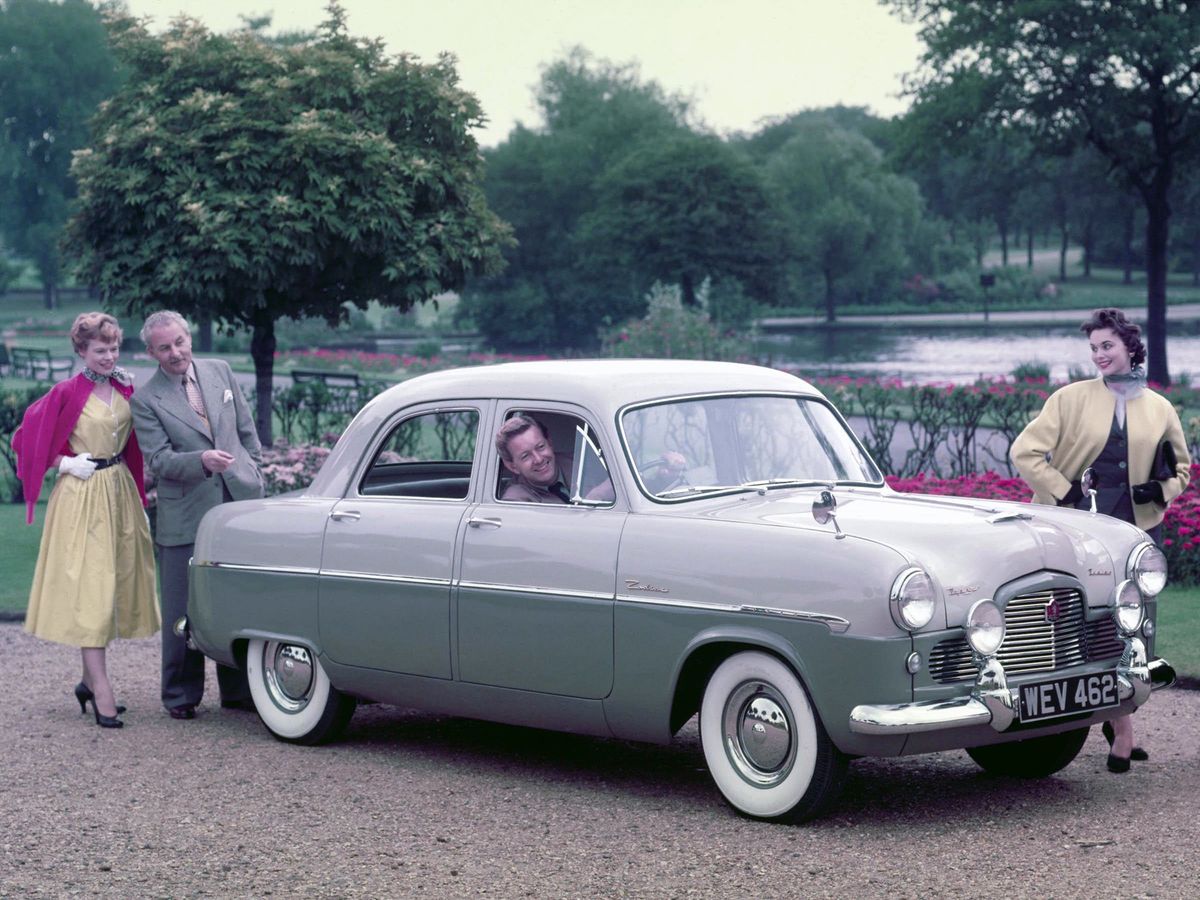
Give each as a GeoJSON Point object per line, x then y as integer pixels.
{"type": "Point", "coordinates": [390, 424]}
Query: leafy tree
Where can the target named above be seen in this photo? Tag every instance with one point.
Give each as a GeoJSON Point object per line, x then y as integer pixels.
{"type": "Point", "coordinates": [248, 181]}
{"type": "Point", "coordinates": [679, 210]}
{"type": "Point", "coordinates": [544, 180]}
{"type": "Point", "coordinates": [847, 213]}
{"type": "Point", "coordinates": [55, 68]}
{"type": "Point", "coordinates": [1120, 76]}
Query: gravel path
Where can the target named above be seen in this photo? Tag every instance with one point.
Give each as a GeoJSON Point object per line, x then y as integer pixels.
{"type": "Point", "coordinates": [410, 804]}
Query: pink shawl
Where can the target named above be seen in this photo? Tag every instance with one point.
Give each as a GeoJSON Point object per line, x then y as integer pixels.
{"type": "Point", "coordinates": [46, 430]}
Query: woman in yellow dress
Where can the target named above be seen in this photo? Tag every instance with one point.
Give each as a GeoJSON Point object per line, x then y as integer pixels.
{"type": "Point", "coordinates": [95, 571]}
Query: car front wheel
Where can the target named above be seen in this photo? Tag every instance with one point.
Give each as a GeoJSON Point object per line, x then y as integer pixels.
{"type": "Point", "coordinates": [292, 693]}
{"type": "Point", "coordinates": [763, 742]}
{"type": "Point", "coordinates": [1036, 757]}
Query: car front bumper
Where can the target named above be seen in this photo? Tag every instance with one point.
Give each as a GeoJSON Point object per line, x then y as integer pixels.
{"type": "Point", "coordinates": [993, 702]}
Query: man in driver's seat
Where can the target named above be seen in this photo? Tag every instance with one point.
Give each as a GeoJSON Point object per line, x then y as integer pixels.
{"type": "Point", "coordinates": [539, 474]}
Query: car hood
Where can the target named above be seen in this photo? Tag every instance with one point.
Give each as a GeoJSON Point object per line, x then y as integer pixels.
{"type": "Point", "coordinates": [969, 547]}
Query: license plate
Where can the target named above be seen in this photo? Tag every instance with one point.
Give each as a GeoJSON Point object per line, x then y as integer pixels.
{"type": "Point", "coordinates": [1067, 696]}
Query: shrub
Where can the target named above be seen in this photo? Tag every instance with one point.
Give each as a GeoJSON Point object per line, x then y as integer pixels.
{"type": "Point", "coordinates": [13, 403]}
{"type": "Point", "coordinates": [288, 467]}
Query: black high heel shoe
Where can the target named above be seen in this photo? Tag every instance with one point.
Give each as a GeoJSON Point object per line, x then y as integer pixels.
{"type": "Point", "coordinates": [1137, 753]}
{"type": "Point", "coordinates": [107, 721]}
{"type": "Point", "coordinates": [83, 694]}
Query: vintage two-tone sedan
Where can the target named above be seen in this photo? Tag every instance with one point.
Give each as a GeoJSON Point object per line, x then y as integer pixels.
{"type": "Point", "coordinates": [722, 545]}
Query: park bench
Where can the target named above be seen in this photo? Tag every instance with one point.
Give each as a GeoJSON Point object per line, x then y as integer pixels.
{"type": "Point", "coordinates": [37, 363]}
{"type": "Point", "coordinates": [330, 379]}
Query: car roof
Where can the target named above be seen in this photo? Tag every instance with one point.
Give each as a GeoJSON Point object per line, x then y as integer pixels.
{"type": "Point", "coordinates": [601, 384]}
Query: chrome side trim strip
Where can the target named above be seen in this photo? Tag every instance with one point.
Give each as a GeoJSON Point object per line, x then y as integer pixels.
{"type": "Point", "coordinates": [687, 604]}
{"type": "Point", "coordinates": [242, 567]}
{"type": "Point", "coordinates": [529, 589]}
{"type": "Point", "coordinates": [381, 576]}
{"type": "Point", "coordinates": [835, 624]}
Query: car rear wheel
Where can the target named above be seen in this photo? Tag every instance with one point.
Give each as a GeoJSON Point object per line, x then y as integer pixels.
{"type": "Point", "coordinates": [764, 744]}
{"type": "Point", "coordinates": [292, 693]}
{"type": "Point", "coordinates": [1036, 757]}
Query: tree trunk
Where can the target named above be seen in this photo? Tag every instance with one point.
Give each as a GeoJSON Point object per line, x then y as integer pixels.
{"type": "Point", "coordinates": [1004, 244]}
{"type": "Point", "coordinates": [262, 349]}
{"type": "Point", "coordinates": [1063, 246]}
{"type": "Point", "coordinates": [1029, 249]}
{"type": "Point", "coordinates": [206, 333]}
{"type": "Point", "coordinates": [1158, 231]}
{"type": "Point", "coordinates": [688, 289]}
{"type": "Point", "coordinates": [830, 314]}
{"type": "Point", "coordinates": [1089, 243]}
{"type": "Point", "coordinates": [1127, 243]}
{"type": "Point", "coordinates": [50, 294]}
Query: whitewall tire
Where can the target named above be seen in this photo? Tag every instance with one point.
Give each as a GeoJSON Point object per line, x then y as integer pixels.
{"type": "Point", "coordinates": [292, 693]}
{"type": "Point", "coordinates": [764, 744]}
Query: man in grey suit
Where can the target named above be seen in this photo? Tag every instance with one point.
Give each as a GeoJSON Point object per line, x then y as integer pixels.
{"type": "Point", "coordinates": [198, 439]}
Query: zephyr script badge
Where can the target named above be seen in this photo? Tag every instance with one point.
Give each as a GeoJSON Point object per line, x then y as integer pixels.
{"type": "Point", "coordinates": [634, 585]}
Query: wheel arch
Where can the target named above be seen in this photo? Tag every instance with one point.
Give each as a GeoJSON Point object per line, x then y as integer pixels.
{"type": "Point", "coordinates": [709, 649]}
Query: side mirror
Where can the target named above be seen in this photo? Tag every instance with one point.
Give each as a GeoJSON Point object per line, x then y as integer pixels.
{"type": "Point", "coordinates": [824, 510]}
{"type": "Point", "coordinates": [1087, 481]}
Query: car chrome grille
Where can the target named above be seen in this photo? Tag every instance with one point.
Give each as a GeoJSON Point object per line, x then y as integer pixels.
{"type": "Point", "coordinates": [1031, 643]}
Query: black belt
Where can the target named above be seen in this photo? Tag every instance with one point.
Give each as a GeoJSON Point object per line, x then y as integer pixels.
{"type": "Point", "coordinates": [105, 463]}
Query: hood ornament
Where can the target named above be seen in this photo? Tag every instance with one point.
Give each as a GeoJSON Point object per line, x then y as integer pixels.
{"type": "Point", "coordinates": [824, 510]}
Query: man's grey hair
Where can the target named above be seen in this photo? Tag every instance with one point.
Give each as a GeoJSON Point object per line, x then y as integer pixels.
{"type": "Point", "coordinates": [162, 319]}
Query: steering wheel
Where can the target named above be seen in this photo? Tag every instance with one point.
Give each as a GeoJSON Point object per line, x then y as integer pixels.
{"type": "Point", "coordinates": [675, 472]}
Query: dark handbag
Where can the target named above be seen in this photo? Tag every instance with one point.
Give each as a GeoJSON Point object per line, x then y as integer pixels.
{"type": "Point", "coordinates": [1165, 460]}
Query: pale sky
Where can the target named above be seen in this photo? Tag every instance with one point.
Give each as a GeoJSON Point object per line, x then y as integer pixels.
{"type": "Point", "coordinates": [741, 61]}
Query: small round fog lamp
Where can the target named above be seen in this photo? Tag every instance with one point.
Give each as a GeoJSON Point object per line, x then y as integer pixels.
{"type": "Point", "coordinates": [1128, 609]}
{"type": "Point", "coordinates": [985, 627]}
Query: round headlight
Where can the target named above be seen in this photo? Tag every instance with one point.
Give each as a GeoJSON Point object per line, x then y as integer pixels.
{"type": "Point", "coordinates": [913, 599]}
{"type": "Point", "coordinates": [1148, 568]}
{"type": "Point", "coordinates": [1128, 608]}
{"type": "Point", "coordinates": [985, 627]}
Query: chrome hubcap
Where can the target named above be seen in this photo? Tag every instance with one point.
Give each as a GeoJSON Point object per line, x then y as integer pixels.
{"type": "Point", "coordinates": [288, 675]}
{"type": "Point", "coordinates": [759, 736]}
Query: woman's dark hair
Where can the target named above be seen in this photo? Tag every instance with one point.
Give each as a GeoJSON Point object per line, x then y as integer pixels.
{"type": "Point", "coordinates": [1129, 333]}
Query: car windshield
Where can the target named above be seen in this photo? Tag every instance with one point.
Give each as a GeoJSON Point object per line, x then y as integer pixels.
{"type": "Point", "coordinates": [689, 448]}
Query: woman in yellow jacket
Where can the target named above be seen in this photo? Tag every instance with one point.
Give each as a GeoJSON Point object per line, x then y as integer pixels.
{"type": "Point", "coordinates": [1113, 425]}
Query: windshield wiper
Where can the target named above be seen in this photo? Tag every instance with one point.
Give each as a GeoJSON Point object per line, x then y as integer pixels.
{"type": "Point", "coordinates": [770, 483]}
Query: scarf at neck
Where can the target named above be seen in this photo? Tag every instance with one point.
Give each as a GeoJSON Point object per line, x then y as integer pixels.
{"type": "Point", "coordinates": [118, 374]}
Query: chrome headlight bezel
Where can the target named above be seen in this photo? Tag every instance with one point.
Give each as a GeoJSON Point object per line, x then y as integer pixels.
{"type": "Point", "coordinates": [985, 627]}
{"type": "Point", "coordinates": [1147, 569]}
{"type": "Point", "coordinates": [1128, 607]}
{"type": "Point", "coordinates": [913, 599]}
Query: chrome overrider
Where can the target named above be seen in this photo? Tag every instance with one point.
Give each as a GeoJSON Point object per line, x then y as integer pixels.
{"type": "Point", "coordinates": [994, 703]}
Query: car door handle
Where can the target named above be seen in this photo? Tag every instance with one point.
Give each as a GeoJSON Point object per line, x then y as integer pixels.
{"type": "Point", "coordinates": [479, 522]}
{"type": "Point", "coordinates": [338, 514]}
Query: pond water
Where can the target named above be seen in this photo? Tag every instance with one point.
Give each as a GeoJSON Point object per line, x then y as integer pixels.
{"type": "Point", "coordinates": [957, 355]}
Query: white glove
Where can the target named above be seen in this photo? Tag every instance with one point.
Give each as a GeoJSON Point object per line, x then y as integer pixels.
{"type": "Point", "coordinates": [80, 466]}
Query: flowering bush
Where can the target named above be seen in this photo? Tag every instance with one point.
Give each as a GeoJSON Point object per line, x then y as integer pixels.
{"type": "Point", "coordinates": [289, 467]}
{"type": "Point", "coordinates": [671, 331]}
{"type": "Point", "coordinates": [1181, 526]}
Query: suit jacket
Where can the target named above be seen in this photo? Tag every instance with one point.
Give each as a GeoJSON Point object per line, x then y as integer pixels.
{"type": "Point", "coordinates": [1071, 430]}
{"type": "Point", "coordinates": [172, 437]}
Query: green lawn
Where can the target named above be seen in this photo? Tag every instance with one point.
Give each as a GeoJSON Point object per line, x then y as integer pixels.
{"type": "Point", "coordinates": [1178, 620]}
